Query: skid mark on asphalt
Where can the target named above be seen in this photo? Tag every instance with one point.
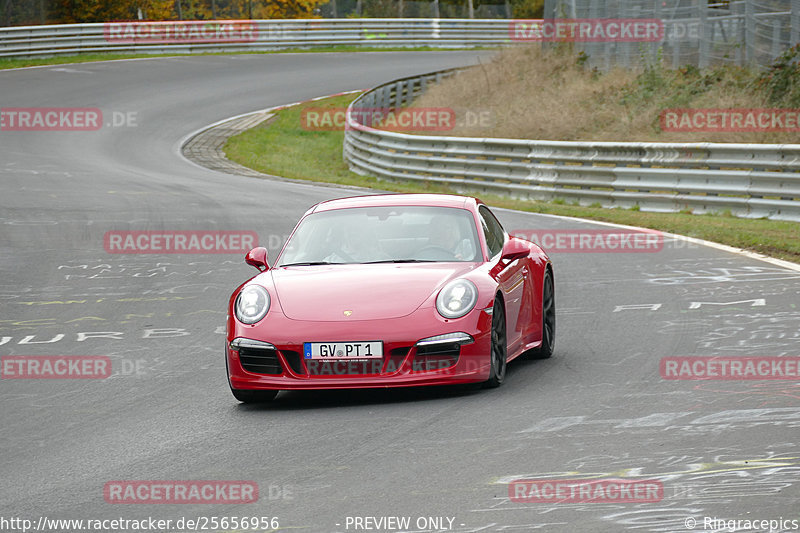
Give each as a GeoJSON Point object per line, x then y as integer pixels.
{"type": "Point", "coordinates": [692, 483]}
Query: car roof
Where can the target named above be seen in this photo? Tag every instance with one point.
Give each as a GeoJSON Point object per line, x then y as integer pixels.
{"type": "Point", "coordinates": [379, 200]}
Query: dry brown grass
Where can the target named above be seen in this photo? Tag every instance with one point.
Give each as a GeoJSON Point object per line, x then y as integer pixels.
{"type": "Point", "coordinates": [283, 148]}
{"type": "Point", "coordinates": [531, 94]}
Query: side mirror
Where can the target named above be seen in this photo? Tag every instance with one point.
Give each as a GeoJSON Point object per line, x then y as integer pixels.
{"type": "Point", "coordinates": [514, 249]}
{"type": "Point", "coordinates": [257, 257]}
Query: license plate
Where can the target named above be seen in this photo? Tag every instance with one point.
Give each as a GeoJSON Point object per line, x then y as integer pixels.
{"type": "Point", "coordinates": [333, 351]}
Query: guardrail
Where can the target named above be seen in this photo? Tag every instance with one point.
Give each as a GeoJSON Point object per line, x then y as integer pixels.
{"type": "Point", "coordinates": [747, 33]}
{"type": "Point", "coordinates": [750, 180]}
{"type": "Point", "coordinates": [248, 35]}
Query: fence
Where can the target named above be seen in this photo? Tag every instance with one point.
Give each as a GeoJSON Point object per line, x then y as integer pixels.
{"type": "Point", "coordinates": [695, 32]}
{"type": "Point", "coordinates": [752, 180]}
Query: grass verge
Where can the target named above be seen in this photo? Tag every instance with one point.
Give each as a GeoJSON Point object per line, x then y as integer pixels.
{"type": "Point", "coordinates": [89, 58]}
{"type": "Point", "coordinates": [283, 148]}
{"type": "Point", "coordinates": [530, 93]}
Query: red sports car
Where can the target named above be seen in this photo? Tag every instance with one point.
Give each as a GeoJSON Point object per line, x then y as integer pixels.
{"type": "Point", "coordinates": [392, 290]}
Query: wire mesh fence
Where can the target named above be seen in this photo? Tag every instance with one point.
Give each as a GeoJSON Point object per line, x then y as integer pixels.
{"type": "Point", "coordinates": [695, 32]}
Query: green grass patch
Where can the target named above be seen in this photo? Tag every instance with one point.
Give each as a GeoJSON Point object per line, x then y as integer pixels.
{"type": "Point", "coordinates": [89, 58]}
{"type": "Point", "coordinates": [282, 147]}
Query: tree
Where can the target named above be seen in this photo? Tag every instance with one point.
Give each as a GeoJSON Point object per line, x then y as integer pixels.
{"type": "Point", "coordinates": [74, 11]}
{"type": "Point", "coordinates": [30, 12]}
{"type": "Point", "coordinates": [277, 9]}
{"type": "Point", "coordinates": [527, 9]}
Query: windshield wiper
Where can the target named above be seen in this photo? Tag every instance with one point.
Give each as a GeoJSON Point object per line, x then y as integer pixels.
{"type": "Point", "coordinates": [400, 261]}
{"type": "Point", "coordinates": [310, 263]}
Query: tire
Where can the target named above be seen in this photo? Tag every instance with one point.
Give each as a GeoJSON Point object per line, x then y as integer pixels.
{"type": "Point", "coordinates": [548, 319]}
{"type": "Point", "coordinates": [499, 347]}
{"type": "Point", "coordinates": [254, 396]}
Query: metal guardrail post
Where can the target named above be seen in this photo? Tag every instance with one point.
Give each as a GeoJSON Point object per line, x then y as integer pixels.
{"type": "Point", "coordinates": [608, 52]}
{"type": "Point", "coordinates": [592, 49]}
{"type": "Point", "coordinates": [549, 13]}
{"type": "Point", "coordinates": [397, 99]}
{"type": "Point", "coordinates": [625, 47]}
{"type": "Point", "coordinates": [776, 39]}
{"type": "Point", "coordinates": [738, 9]}
{"type": "Point", "coordinates": [654, 47]}
{"type": "Point", "coordinates": [705, 37]}
{"type": "Point", "coordinates": [676, 53]}
{"type": "Point", "coordinates": [749, 32]}
{"type": "Point", "coordinates": [794, 36]}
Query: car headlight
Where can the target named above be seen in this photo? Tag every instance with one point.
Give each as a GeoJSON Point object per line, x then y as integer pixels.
{"type": "Point", "coordinates": [457, 298]}
{"type": "Point", "coordinates": [252, 304]}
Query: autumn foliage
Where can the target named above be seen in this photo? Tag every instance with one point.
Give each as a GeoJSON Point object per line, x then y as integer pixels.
{"type": "Point", "coordinates": [24, 12]}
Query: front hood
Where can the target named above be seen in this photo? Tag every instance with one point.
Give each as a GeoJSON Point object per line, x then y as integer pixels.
{"type": "Point", "coordinates": [369, 292]}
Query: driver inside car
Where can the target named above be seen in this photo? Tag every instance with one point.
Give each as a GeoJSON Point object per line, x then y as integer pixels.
{"type": "Point", "coordinates": [447, 236]}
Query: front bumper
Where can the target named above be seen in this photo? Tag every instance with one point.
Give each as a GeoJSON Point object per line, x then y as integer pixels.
{"type": "Point", "coordinates": [275, 360]}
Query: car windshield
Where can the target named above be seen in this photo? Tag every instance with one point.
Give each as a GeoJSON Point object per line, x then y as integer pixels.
{"type": "Point", "coordinates": [395, 234]}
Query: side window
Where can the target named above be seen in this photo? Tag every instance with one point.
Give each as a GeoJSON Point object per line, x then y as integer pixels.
{"type": "Point", "coordinates": [493, 231]}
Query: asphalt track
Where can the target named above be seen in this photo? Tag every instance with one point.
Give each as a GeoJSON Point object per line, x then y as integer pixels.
{"type": "Point", "coordinates": [723, 449]}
